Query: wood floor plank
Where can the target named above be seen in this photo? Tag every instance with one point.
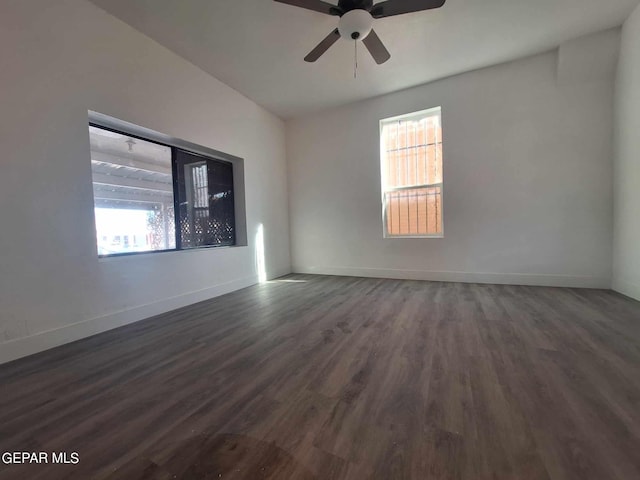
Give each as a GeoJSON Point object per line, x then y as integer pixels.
{"type": "Point", "coordinates": [321, 377]}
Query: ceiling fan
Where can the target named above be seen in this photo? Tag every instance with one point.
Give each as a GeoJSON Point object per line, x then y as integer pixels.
{"type": "Point", "coordinates": [356, 21]}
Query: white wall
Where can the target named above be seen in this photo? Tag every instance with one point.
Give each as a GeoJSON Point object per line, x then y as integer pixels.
{"type": "Point", "coordinates": [527, 177]}
{"type": "Point", "coordinates": [626, 248]}
{"type": "Point", "coordinates": [57, 61]}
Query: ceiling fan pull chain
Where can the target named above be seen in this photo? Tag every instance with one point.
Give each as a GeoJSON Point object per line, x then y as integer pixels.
{"type": "Point", "coordinates": [355, 60]}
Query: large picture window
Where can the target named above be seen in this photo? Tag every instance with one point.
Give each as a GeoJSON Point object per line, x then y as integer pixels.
{"type": "Point", "coordinates": [154, 197]}
{"type": "Point", "coordinates": [411, 172]}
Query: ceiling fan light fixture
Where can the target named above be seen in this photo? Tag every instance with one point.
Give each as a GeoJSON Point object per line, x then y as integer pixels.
{"type": "Point", "coordinates": [355, 25]}
{"type": "Point", "coordinates": [356, 22]}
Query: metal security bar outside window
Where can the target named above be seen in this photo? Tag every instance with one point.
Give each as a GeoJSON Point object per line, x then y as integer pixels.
{"type": "Point", "coordinates": [411, 173]}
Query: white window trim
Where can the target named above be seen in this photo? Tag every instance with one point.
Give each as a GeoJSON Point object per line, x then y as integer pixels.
{"type": "Point", "coordinates": [383, 176]}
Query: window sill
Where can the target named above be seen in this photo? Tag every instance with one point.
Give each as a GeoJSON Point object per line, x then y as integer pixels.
{"type": "Point", "coordinates": [392, 237]}
{"type": "Point", "coordinates": [129, 255]}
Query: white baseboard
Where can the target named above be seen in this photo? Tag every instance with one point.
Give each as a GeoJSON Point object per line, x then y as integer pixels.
{"type": "Point", "coordinates": [281, 272]}
{"type": "Point", "coordinates": [41, 341]}
{"type": "Point", "coordinates": [462, 277]}
{"type": "Point", "coordinates": [627, 287]}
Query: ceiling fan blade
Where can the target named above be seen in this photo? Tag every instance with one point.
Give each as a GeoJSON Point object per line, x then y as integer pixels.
{"type": "Point", "coordinates": [323, 46]}
{"type": "Point", "coordinates": [376, 48]}
{"type": "Point", "coordinates": [315, 5]}
{"type": "Point", "coordinates": [398, 7]}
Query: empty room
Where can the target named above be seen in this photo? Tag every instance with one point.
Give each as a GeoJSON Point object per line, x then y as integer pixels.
{"type": "Point", "coordinates": [320, 239]}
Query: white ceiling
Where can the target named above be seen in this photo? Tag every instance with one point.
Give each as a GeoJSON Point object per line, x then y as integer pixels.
{"type": "Point", "coordinates": [257, 46]}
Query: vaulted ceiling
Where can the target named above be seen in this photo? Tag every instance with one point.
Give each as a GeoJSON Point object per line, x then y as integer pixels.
{"type": "Point", "coordinates": [257, 46]}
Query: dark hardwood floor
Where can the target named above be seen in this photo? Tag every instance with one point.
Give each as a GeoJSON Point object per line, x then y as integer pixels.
{"type": "Point", "coordinates": [314, 377]}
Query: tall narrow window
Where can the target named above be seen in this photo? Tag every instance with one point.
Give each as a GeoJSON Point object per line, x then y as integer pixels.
{"type": "Point", "coordinates": [411, 168]}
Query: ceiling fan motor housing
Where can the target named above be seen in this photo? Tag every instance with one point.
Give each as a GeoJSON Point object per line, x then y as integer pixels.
{"type": "Point", "coordinates": [355, 24]}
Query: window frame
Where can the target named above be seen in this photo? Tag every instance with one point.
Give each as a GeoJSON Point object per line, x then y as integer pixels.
{"type": "Point", "coordinates": [383, 176]}
{"type": "Point", "coordinates": [176, 176]}
{"type": "Point", "coordinates": [174, 147]}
